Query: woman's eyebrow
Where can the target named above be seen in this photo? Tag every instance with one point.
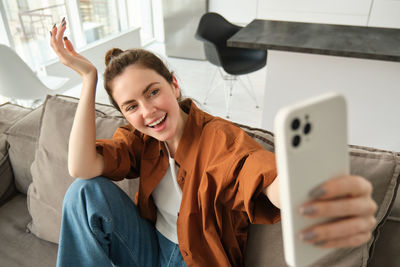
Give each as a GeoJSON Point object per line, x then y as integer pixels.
{"type": "Point", "coordinates": [148, 87]}
{"type": "Point", "coordinates": [143, 93]}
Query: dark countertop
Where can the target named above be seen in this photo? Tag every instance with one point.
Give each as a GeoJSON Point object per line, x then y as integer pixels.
{"type": "Point", "coordinates": [324, 39]}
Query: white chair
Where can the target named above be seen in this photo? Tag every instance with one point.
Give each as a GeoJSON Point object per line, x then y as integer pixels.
{"type": "Point", "coordinates": [19, 82]}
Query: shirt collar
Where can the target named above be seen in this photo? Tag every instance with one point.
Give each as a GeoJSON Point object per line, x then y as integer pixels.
{"type": "Point", "coordinates": [191, 131]}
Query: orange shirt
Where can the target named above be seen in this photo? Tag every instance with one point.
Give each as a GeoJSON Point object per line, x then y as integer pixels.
{"type": "Point", "coordinates": [222, 174]}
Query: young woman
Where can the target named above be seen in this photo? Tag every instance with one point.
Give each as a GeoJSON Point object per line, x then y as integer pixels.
{"type": "Point", "coordinates": [202, 180]}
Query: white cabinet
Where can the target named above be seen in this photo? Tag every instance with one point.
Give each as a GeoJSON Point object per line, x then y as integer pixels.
{"type": "Point", "coordinates": [354, 12]}
{"type": "Point", "coordinates": [385, 13]}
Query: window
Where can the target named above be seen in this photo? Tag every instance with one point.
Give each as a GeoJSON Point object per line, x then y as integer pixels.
{"type": "Point", "coordinates": [99, 19]}
{"type": "Point", "coordinates": [28, 22]}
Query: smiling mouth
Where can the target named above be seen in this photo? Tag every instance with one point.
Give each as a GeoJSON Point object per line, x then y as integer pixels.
{"type": "Point", "coordinates": [159, 121]}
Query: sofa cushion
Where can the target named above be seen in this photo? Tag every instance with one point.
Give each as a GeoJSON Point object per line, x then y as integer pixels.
{"type": "Point", "coordinates": [18, 246]}
{"type": "Point", "coordinates": [49, 169]}
{"type": "Point", "coordinates": [22, 137]}
{"type": "Point", "coordinates": [11, 113]}
{"type": "Point", "coordinates": [381, 168]}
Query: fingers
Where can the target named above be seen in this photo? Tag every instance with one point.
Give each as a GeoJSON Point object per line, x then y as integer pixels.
{"type": "Point", "coordinates": [343, 207]}
{"type": "Point", "coordinates": [352, 231]}
{"type": "Point", "coordinates": [348, 185]}
{"type": "Point", "coordinates": [56, 35]}
{"type": "Point", "coordinates": [69, 46]}
{"type": "Point", "coordinates": [60, 31]}
{"type": "Point", "coordinates": [347, 201]}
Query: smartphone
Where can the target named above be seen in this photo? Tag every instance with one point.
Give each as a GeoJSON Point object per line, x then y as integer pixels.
{"type": "Point", "coordinates": [311, 147]}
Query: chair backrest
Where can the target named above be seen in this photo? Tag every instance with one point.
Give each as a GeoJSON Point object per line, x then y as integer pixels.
{"type": "Point", "coordinates": [17, 80]}
{"type": "Point", "coordinates": [214, 30]}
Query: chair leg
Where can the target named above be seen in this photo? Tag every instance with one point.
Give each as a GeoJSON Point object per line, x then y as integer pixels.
{"type": "Point", "coordinates": [211, 87]}
{"type": "Point", "coordinates": [250, 90]}
{"type": "Point", "coordinates": [228, 95]}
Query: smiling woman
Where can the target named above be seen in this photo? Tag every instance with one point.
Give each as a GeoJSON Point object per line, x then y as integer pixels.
{"type": "Point", "coordinates": [202, 181]}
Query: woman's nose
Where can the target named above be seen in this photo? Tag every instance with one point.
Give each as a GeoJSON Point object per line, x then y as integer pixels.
{"type": "Point", "coordinates": [147, 110]}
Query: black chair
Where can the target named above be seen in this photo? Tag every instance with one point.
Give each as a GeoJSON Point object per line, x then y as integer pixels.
{"type": "Point", "coordinates": [214, 31]}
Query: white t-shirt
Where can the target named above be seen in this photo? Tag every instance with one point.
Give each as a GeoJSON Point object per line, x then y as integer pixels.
{"type": "Point", "coordinates": [167, 198]}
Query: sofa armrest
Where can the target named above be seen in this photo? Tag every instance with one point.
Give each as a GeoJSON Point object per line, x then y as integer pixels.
{"type": "Point", "coordinates": [387, 247]}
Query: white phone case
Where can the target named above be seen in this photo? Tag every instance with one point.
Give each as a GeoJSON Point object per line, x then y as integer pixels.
{"type": "Point", "coordinates": [306, 161]}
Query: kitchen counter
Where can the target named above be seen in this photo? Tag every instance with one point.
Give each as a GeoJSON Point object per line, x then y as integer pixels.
{"type": "Point", "coordinates": [324, 39]}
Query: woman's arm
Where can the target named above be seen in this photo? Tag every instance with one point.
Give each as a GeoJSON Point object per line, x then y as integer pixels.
{"type": "Point", "coordinates": [272, 192]}
{"type": "Point", "coordinates": [83, 160]}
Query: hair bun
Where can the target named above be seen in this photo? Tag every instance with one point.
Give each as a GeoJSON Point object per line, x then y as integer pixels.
{"type": "Point", "coordinates": [113, 52]}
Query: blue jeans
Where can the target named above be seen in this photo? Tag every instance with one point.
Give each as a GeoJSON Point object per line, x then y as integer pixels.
{"type": "Point", "coordinates": [101, 226]}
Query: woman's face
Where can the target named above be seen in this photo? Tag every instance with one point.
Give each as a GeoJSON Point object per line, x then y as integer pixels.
{"type": "Point", "coordinates": [149, 102]}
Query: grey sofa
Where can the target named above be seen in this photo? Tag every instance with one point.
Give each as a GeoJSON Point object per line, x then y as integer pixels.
{"type": "Point", "coordinates": [28, 136]}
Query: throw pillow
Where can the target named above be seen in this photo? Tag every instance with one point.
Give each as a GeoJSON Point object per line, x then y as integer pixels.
{"type": "Point", "coordinates": [49, 169]}
{"type": "Point", "coordinates": [9, 115]}
{"type": "Point", "coordinates": [22, 137]}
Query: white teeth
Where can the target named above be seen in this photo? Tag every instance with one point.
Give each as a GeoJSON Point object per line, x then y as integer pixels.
{"type": "Point", "coordinates": [157, 122]}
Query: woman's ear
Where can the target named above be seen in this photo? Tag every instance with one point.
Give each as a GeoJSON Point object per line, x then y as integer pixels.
{"type": "Point", "coordinates": [177, 90]}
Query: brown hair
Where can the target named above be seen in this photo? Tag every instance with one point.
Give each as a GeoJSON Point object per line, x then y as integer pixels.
{"type": "Point", "coordinates": [117, 60]}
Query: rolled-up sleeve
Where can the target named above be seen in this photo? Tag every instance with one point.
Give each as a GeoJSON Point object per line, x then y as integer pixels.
{"type": "Point", "coordinates": [121, 154]}
{"type": "Point", "coordinates": [253, 170]}
{"type": "Point", "coordinates": [254, 173]}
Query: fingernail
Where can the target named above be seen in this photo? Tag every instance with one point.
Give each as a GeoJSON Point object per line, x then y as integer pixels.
{"type": "Point", "coordinates": [65, 38]}
{"type": "Point", "coordinates": [54, 26]}
{"type": "Point", "coordinates": [63, 19]}
{"type": "Point", "coordinates": [320, 243]}
{"type": "Point", "coordinates": [51, 34]}
{"type": "Point", "coordinates": [317, 192]}
{"type": "Point", "coordinates": [308, 210]}
{"type": "Point", "coordinates": [307, 236]}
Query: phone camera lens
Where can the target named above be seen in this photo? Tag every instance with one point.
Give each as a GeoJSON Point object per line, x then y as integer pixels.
{"type": "Point", "coordinates": [307, 128]}
{"type": "Point", "coordinates": [296, 140]}
{"type": "Point", "coordinates": [295, 124]}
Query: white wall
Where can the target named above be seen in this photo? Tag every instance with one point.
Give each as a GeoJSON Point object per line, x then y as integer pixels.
{"type": "Point", "coordinates": [354, 12]}
{"type": "Point", "coordinates": [235, 11]}
{"type": "Point", "coordinates": [385, 13]}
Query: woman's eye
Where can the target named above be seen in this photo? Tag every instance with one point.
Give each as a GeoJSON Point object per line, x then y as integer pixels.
{"type": "Point", "coordinates": [154, 92]}
{"type": "Point", "coordinates": [131, 107]}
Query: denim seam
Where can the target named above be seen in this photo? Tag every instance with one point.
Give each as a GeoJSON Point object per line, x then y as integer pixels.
{"type": "Point", "coordinates": [172, 255]}
{"type": "Point", "coordinates": [131, 253]}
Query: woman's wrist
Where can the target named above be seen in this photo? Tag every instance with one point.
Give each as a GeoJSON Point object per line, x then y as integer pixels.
{"type": "Point", "coordinates": [89, 77]}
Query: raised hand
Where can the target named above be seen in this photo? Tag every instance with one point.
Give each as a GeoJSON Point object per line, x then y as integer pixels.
{"type": "Point", "coordinates": [347, 200]}
{"type": "Point", "coordinates": [66, 53]}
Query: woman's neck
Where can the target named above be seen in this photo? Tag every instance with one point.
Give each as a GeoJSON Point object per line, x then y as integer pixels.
{"type": "Point", "coordinates": [174, 142]}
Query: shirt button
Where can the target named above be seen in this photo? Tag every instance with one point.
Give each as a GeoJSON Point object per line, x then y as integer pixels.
{"type": "Point", "coordinates": [181, 179]}
{"type": "Point", "coordinates": [185, 253]}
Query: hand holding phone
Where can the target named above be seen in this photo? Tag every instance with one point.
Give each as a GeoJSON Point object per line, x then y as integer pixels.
{"type": "Point", "coordinates": [311, 147]}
